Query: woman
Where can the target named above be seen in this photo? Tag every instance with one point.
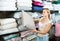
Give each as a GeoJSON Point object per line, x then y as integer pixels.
{"type": "Point", "coordinates": [44, 26]}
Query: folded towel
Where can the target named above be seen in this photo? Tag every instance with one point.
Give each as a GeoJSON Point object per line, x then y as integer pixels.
{"type": "Point", "coordinates": [24, 8]}
{"type": "Point", "coordinates": [37, 3]}
{"type": "Point", "coordinates": [8, 8]}
{"type": "Point", "coordinates": [24, 4]}
{"type": "Point", "coordinates": [8, 0]}
{"type": "Point", "coordinates": [8, 31]}
{"type": "Point", "coordinates": [38, 0]}
{"type": "Point", "coordinates": [24, 0]}
{"type": "Point", "coordinates": [57, 6]}
{"type": "Point", "coordinates": [7, 21]}
{"type": "Point", "coordinates": [36, 8]}
{"type": "Point", "coordinates": [7, 4]}
{"type": "Point", "coordinates": [9, 26]}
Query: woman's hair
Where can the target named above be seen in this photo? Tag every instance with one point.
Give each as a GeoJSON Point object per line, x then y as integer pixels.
{"type": "Point", "coordinates": [48, 11]}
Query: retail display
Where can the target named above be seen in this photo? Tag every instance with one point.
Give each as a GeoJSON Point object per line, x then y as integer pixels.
{"type": "Point", "coordinates": [23, 11]}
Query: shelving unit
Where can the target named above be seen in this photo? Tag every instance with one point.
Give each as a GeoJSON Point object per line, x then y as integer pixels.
{"type": "Point", "coordinates": [9, 14]}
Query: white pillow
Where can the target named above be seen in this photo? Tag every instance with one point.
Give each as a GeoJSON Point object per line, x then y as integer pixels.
{"type": "Point", "coordinates": [27, 20]}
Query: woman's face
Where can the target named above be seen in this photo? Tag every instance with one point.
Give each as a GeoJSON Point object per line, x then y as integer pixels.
{"type": "Point", "coordinates": [45, 13]}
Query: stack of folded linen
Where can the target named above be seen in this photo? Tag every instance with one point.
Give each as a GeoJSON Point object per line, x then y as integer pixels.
{"type": "Point", "coordinates": [48, 5]}
{"type": "Point", "coordinates": [24, 4]}
{"type": "Point", "coordinates": [7, 5]}
{"type": "Point", "coordinates": [56, 6]}
{"type": "Point", "coordinates": [37, 5]}
{"type": "Point", "coordinates": [8, 24]}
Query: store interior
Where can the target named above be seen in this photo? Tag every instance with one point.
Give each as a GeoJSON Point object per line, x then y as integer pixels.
{"type": "Point", "coordinates": [14, 28]}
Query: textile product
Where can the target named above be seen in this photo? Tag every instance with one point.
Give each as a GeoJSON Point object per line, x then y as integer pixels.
{"type": "Point", "coordinates": [38, 0]}
{"type": "Point", "coordinates": [37, 3]}
{"type": "Point", "coordinates": [57, 29]}
{"type": "Point", "coordinates": [7, 0]}
{"type": "Point", "coordinates": [17, 15]}
{"type": "Point", "coordinates": [8, 37]}
{"type": "Point", "coordinates": [24, 1]}
{"type": "Point", "coordinates": [15, 39]}
{"type": "Point", "coordinates": [30, 38]}
{"type": "Point", "coordinates": [37, 8]}
{"type": "Point", "coordinates": [9, 26]}
{"type": "Point", "coordinates": [26, 33]}
{"type": "Point", "coordinates": [8, 31]}
{"type": "Point", "coordinates": [57, 6]}
{"type": "Point", "coordinates": [24, 8]}
{"type": "Point", "coordinates": [45, 38]}
{"type": "Point", "coordinates": [7, 21]}
{"type": "Point", "coordinates": [7, 4]}
{"type": "Point", "coordinates": [49, 5]}
{"type": "Point", "coordinates": [22, 28]}
{"type": "Point", "coordinates": [24, 4]}
{"type": "Point", "coordinates": [27, 20]}
{"type": "Point", "coordinates": [8, 8]}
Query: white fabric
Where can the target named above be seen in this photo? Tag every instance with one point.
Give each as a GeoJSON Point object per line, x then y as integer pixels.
{"type": "Point", "coordinates": [8, 0]}
{"type": "Point", "coordinates": [17, 15]}
{"type": "Point", "coordinates": [24, 0]}
{"type": "Point", "coordinates": [24, 4]}
{"type": "Point", "coordinates": [8, 8]}
{"type": "Point", "coordinates": [38, 0]}
{"type": "Point", "coordinates": [56, 6]}
{"type": "Point", "coordinates": [24, 8]}
{"type": "Point", "coordinates": [27, 20]}
{"type": "Point", "coordinates": [7, 4]}
{"type": "Point", "coordinates": [8, 31]}
{"type": "Point", "coordinates": [49, 5]}
{"type": "Point", "coordinates": [7, 21]}
{"type": "Point", "coordinates": [9, 26]}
